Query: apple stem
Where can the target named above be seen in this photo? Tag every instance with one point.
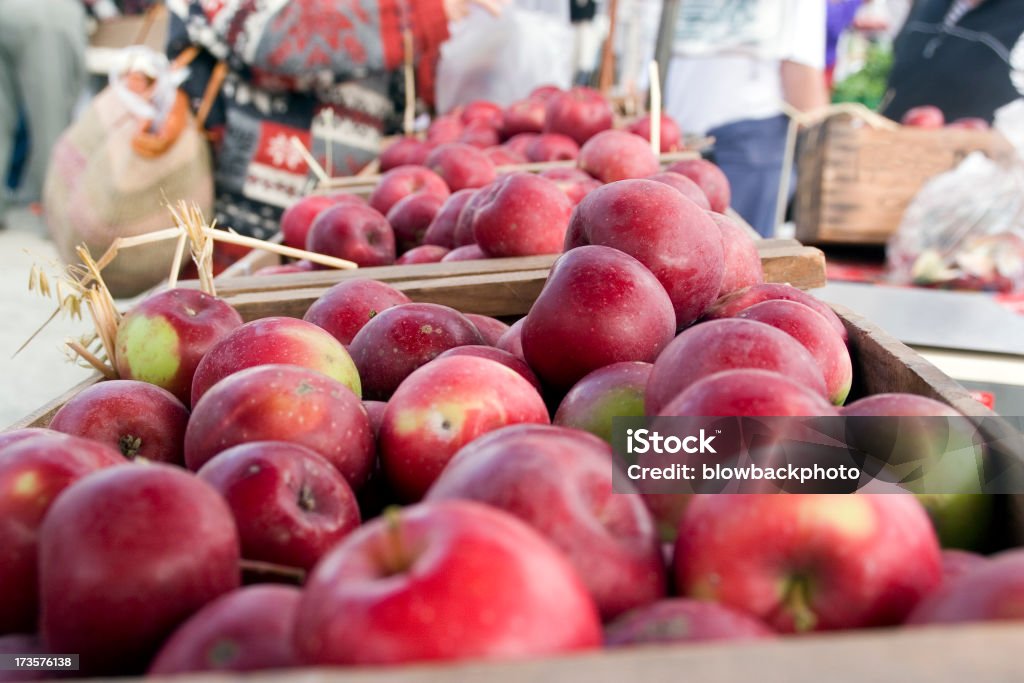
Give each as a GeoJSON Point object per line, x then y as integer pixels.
{"type": "Point", "coordinates": [797, 600]}
{"type": "Point", "coordinates": [396, 561]}
{"type": "Point", "coordinates": [129, 445]}
{"type": "Point", "coordinates": [306, 500]}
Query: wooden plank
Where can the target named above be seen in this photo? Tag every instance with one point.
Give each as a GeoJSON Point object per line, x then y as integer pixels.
{"type": "Point", "coordinates": [417, 271]}
{"type": "Point", "coordinates": [980, 653]}
{"type": "Point", "coordinates": [783, 260]}
{"type": "Point", "coordinates": [802, 267]}
{"type": "Point", "coordinates": [41, 416]}
{"type": "Point", "coordinates": [494, 294]}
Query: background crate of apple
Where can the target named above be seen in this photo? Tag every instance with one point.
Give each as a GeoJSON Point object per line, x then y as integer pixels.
{"type": "Point", "coordinates": [857, 174]}
{"type": "Point", "coordinates": [881, 364]}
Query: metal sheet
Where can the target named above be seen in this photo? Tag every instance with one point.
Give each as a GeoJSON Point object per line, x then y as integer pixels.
{"type": "Point", "coordinates": [924, 317]}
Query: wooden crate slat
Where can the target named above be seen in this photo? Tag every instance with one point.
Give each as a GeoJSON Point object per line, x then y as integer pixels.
{"type": "Point", "coordinates": [855, 181]}
{"type": "Point", "coordinates": [783, 261]}
{"type": "Point", "coordinates": [980, 653]}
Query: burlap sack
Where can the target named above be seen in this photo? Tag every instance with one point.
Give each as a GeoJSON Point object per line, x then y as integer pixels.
{"type": "Point", "coordinates": [98, 188]}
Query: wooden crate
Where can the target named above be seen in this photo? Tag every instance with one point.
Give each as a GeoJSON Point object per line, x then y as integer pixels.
{"type": "Point", "coordinates": [983, 652]}
{"type": "Point", "coordinates": [855, 180]}
{"type": "Point", "coordinates": [782, 260]}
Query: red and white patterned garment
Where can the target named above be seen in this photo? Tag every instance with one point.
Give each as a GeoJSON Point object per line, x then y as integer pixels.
{"type": "Point", "coordinates": [290, 61]}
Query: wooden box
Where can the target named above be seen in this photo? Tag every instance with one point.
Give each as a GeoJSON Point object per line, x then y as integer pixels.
{"type": "Point", "coordinates": [856, 179]}
{"type": "Point", "coordinates": [981, 653]}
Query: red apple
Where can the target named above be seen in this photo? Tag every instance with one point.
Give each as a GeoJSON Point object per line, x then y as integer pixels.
{"type": "Point", "coordinates": [993, 591]}
{"type": "Point", "coordinates": [671, 135]}
{"type": "Point", "coordinates": [742, 260]}
{"type": "Point", "coordinates": [482, 112]}
{"type": "Point", "coordinates": [559, 481]}
{"type": "Point", "coordinates": [479, 134]}
{"type": "Point", "coordinates": [399, 183]}
{"type": "Point", "coordinates": [518, 144]}
{"type": "Point", "coordinates": [443, 581]}
{"type": "Point", "coordinates": [490, 328]}
{"type": "Point", "coordinates": [666, 232]}
{"type": "Point", "coordinates": [469, 252]}
{"type": "Point", "coordinates": [721, 345]}
{"type": "Point", "coordinates": [617, 155]}
{"type": "Point", "coordinates": [404, 152]}
{"type": "Point", "coordinates": [461, 166]}
{"type": "Point", "coordinates": [462, 235]}
{"type": "Point", "coordinates": [402, 338]}
{"type": "Point", "coordinates": [441, 407]}
{"type": "Point", "coordinates": [938, 446]}
{"type": "Point", "coordinates": [573, 182]}
{"type": "Point", "coordinates": [524, 116]}
{"type": "Point", "coordinates": [125, 556]}
{"type": "Point", "coordinates": [346, 307]}
{"type": "Point", "coordinates": [732, 304]}
{"type": "Point", "coordinates": [747, 392]}
{"type": "Point", "coordinates": [816, 335]}
{"type": "Point", "coordinates": [709, 178]}
{"type": "Point", "coordinates": [681, 620]}
{"type": "Point", "coordinates": [521, 214]}
{"type": "Point", "coordinates": [355, 233]}
{"type": "Point", "coordinates": [289, 503]}
{"type": "Point", "coordinates": [302, 266]}
{"type": "Point", "coordinates": [298, 218]}
{"type": "Point", "coordinates": [809, 562]}
{"type": "Point", "coordinates": [616, 390]}
{"type": "Point", "coordinates": [503, 156]}
{"type": "Point", "coordinates": [552, 147]}
{"type": "Point", "coordinates": [580, 113]}
{"type": "Point", "coordinates": [275, 340]}
{"type": "Point", "coordinates": [411, 217]}
{"type": "Point", "coordinates": [444, 129]}
{"type": "Point", "coordinates": [283, 403]}
{"type": "Point", "coordinates": [498, 356]}
{"type": "Point", "coordinates": [512, 340]}
{"type": "Point", "coordinates": [137, 418]}
{"type": "Point", "coordinates": [425, 253]}
{"type": "Point", "coordinates": [441, 231]}
{"type": "Point", "coordinates": [249, 629]}
{"type": "Point", "coordinates": [162, 338]}
{"type": "Point", "coordinates": [684, 186]}
{"type": "Point", "coordinates": [925, 116]}
{"type": "Point", "coordinates": [956, 563]}
{"type": "Point", "coordinates": [375, 409]}
{"type": "Point", "coordinates": [599, 306]}
{"type": "Point", "coordinates": [35, 466]}
{"type": "Point", "coordinates": [544, 92]}
{"type": "Point", "coordinates": [970, 123]}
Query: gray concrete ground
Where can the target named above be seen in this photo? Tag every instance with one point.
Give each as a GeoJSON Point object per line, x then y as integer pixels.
{"type": "Point", "coordinates": [40, 372]}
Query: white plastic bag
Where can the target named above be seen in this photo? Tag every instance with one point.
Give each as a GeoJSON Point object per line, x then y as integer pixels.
{"type": "Point", "coordinates": [502, 59]}
{"type": "Point", "coordinates": [965, 228]}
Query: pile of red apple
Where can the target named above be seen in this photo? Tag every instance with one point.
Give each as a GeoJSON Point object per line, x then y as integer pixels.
{"type": "Point", "coordinates": [931, 117]}
{"type": "Point", "coordinates": [445, 198]}
{"type": "Point", "coordinates": [288, 443]}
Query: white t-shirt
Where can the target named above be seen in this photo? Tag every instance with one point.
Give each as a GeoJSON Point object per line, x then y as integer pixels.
{"type": "Point", "coordinates": [727, 54]}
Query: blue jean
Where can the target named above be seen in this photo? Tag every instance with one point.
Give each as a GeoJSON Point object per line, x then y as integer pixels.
{"type": "Point", "coordinates": [750, 153]}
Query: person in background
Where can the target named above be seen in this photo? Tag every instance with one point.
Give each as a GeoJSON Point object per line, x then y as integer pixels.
{"type": "Point", "coordinates": [323, 71]}
{"type": "Point", "coordinates": [42, 75]}
{"type": "Point", "coordinates": [734, 64]}
{"type": "Point", "coordinates": [965, 57]}
{"type": "Point", "coordinates": [839, 17]}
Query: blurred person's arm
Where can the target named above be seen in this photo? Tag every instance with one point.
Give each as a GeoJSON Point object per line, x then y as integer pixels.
{"type": "Point", "coordinates": [802, 69]}
{"type": "Point", "coordinates": [803, 86]}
